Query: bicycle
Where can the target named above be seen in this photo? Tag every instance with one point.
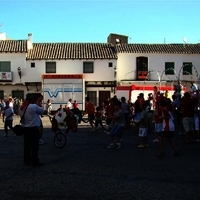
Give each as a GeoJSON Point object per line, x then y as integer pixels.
{"type": "Point", "coordinates": [61, 126]}
{"type": "Point", "coordinates": [60, 138]}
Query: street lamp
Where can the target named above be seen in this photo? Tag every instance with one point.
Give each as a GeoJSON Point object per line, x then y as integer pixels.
{"type": "Point", "coordinates": [19, 72]}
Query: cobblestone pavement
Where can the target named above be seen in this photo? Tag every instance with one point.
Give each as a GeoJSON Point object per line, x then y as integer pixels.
{"type": "Point", "coordinates": [86, 169]}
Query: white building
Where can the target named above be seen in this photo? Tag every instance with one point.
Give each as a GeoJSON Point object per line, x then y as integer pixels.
{"type": "Point", "coordinates": [157, 63]}
{"type": "Point", "coordinates": [103, 65]}
{"type": "Point", "coordinates": [96, 61]}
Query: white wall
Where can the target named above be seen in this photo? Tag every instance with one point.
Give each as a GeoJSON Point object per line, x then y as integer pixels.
{"type": "Point", "coordinates": [101, 70]}
{"type": "Point", "coordinates": [17, 60]}
{"type": "Point", "coordinates": [126, 65]}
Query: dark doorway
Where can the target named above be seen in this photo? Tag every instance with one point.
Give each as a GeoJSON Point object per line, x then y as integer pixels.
{"type": "Point", "coordinates": [103, 95]}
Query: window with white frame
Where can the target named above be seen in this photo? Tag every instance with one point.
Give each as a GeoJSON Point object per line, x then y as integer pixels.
{"type": "Point", "coordinates": [32, 65]}
{"type": "Point", "coordinates": [187, 68]}
{"type": "Point", "coordinates": [88, 67]}
{"type": "Point", "coordinates": [5, 66]}
{"type": "Point", "coordinates": [50, 67]}
{"type": "Point", "coordinates": [110, 64]}
{"type": "Point", "coordinates": [169, 68]}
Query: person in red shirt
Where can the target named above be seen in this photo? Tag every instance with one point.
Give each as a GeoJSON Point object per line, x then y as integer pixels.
{"type": "Point", "coordinates": [75, 104]}
{"type": "Point", "coordinates": [157, 120]}
{"type": "Point", "coordinates": [90, 110]}
{"type": "Point", "coordinates": [168, 129]}
{"type": "Point", "coordinates": [109, 109]}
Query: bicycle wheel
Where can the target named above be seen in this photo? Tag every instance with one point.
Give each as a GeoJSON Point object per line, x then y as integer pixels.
{"type": "Point", "coordinates": [60, 140]}
{"type": "Point", "coordinates": [84, 118]}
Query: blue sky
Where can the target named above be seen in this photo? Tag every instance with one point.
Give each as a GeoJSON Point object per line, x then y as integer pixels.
{"type": "Point", "coordinates": [144, 21]}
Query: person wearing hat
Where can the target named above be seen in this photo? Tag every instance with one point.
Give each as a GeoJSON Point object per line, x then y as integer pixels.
{"type": "Point", "coordinates": [31, 123]}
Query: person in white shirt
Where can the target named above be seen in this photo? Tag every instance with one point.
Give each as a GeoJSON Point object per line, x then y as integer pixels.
{"type": "Point", "coordinates": [10, 102]}
{"type": "Point", "coordinates": [193, 88]}
{"type": "Point", "coordinates": [69, 104]}
{"type": "Point", "coordinates": [8, 122]}
{"type": "Point", "coordinates": [31, 123]}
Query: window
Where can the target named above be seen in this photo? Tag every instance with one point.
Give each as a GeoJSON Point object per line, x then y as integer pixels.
{"type": "Point", "coordinates": [142, 63]}
{"type": "Point", "coordinates": [169, 68]}
{"type": "Point", "coordinates": [88, 67]}
{"type": "Point", "coordinates": [110, 64]}
{"type": "Point", "coordinates": [18, 93]}
{"type": "Point", "coordinates": [50, 67]}
{"type": "Point", "coordinates": [187, 68]}
{"type": "Point", "coordinates": [142, 67]}
{"type": "Point", "coordinates": [93, 97]}
{"type": "Point", "coordinates": [5, 66]}
{"type": "Point", "coordinates": [32, 65]}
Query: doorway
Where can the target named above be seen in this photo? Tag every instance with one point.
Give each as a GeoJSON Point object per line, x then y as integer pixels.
{"type": "Point", "coordinates": [103, 95]}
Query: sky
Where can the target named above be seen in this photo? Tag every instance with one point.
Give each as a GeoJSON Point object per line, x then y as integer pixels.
{"type": "Point", "coordinates": [143, 21]}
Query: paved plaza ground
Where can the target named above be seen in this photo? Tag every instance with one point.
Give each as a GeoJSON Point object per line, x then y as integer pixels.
{"type": "Point", "coordinates": [85, 169]}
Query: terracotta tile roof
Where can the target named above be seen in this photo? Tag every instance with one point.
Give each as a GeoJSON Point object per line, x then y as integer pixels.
{"type": "Point", "coordinates": [13, 46]}
{"type": "Point", "coordinates": [159, 48]}
{"type": "Point", "coordinates": [53, 51]}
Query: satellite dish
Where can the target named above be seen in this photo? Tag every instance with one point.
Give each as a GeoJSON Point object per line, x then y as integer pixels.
{"type": "Point", "coordinates": [184, 39]}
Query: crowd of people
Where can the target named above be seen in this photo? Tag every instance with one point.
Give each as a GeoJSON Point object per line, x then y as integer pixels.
{"type": "Point", "coordinates": [158, 113]}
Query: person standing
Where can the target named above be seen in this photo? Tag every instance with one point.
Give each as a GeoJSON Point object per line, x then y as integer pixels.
{"type": "Point", "coordinates": [119, 123]}
{"type": "Point", "coordinates": [157, 120]}
{"type": "Point", "coordinates": [143, 127]}
{"type": "Point", "coordinates": [193, 88]}
{"type": "Point", "coordinates": [126, 109]}
{"type": "Point", "coordinates": [10, 99]}
{"type": "Point", "coordinates": [90, 110]}
{"type": "Point", "coordinates": [179, 88]}
{"type": "Point", "coordinates": [138, 106]}
{"type": "Point", "coordinates": [98, 118]}
{"type": "Point", "coordinates": [168, 129]}
{"type": "Point", "coordinates": [8, 114]}
{"type": "Point", "coordinates": [187, 106]}
{"type": "Point", "coordinates": [69, 104]}
{"type": "Point", "coordinates": [2, 106]}
{"type": "Point", "coordinates": [48, 107]}
{"type": "Point", "coordinates": [31, 123]}
{"type": "Point", "coordinates": [154, 95]}
{"type": "Point", "coordinates": [39, 103]}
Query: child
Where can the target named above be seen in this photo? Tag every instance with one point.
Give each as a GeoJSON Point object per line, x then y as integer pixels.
{"type": "Point", "coordinates": [8, 113]}
{"type": "Point", "coordinates": [98, 118]}
{"type": "Point", "coordinates": [143, 127]}
{"type": "Point", "coordinates": [119, 123]}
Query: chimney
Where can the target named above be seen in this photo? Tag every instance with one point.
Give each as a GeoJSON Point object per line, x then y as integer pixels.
{"type": "Point", "coordinates": [3, 36]}
{"type": "Point", "coordinates": [29, 41]}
